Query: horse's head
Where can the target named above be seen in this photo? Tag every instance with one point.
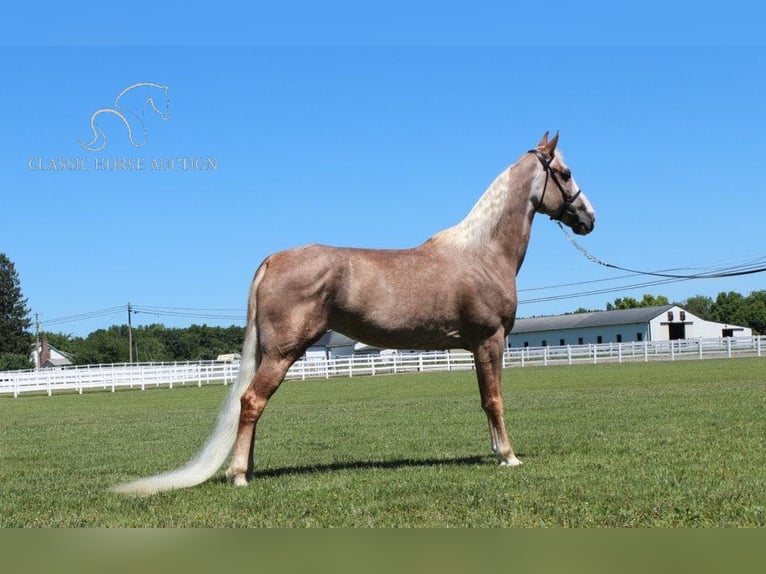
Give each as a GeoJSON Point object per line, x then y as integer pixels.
{"type": "Point", "coordinates": [560, 197]}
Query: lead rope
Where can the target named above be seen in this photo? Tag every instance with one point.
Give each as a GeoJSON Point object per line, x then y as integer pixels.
{"type": "Point", "coordinates": [711, 275]}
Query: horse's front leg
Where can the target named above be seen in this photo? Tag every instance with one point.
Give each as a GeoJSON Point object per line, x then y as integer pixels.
{"type": "Point", "coordinates": [488, 356]}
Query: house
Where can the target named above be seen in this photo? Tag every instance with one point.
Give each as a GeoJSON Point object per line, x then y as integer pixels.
{"type": "Point", "coordinates": [663, 323]}
{"type": "Point", "coordinates": [45, 356]}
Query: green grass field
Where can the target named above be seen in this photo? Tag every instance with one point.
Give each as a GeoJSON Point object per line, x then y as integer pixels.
{"type": "Point", "coordinates": [658, 444]}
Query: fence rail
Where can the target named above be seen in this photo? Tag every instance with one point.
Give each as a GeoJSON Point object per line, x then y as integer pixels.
{"type": "Point", "coordinates": [151, 375]}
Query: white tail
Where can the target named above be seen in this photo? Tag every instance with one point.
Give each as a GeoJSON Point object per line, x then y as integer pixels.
{"type": "Point", "coordinates": [215, 451]}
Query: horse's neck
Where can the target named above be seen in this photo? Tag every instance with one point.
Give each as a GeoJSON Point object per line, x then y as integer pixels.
{"type": "Point", "coordinates": [501, 218]}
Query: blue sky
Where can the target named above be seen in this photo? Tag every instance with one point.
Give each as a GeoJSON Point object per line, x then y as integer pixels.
{"type": "Point", "coordinates": [369, 142]}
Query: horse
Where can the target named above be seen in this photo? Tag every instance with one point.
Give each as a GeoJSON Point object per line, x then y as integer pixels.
{"type": "Point", "coordinates": [456, 290]}
{"type": "Point", "coordinates": [141, 96]}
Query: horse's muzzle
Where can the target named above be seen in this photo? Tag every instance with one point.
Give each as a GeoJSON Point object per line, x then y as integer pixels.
{"type": "Point", "coordinates": [583, 227]}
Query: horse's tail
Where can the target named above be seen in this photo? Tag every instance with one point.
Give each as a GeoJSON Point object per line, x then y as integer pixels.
{"type": "Point", "coordinates": [215, 451]}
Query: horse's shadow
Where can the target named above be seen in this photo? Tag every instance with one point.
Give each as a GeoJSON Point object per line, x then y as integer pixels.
{"type": "Point", "coordinates": [366, 465]}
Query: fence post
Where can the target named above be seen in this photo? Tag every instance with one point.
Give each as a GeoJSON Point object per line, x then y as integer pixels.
{"type": "Point", "coordinates": [522, 357]}
{"type": "Point", "coordinates": [758, 346]}
{"type": "Point", "coordinates": [646, 351]}
{"type": "Point", "coordinates": [728, 347]}
{"type": "Point", "coordinates": [619, 352]}
{"type": "Point", "coordinates": [672, 351]}
{"type": "Point", "coordinates": [595, 354]}
{"type": "Point", "coordinates": [569, 354]}
{"type": "Point", "coordinates": [545, 356]}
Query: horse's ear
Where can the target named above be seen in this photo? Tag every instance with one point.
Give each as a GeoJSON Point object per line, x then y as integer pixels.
{"type": "Point", "coordinates": [543, 140]}
{"type": "Point", "coordinates": [550, 146]}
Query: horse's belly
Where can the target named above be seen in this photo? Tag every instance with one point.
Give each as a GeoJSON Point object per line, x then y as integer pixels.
{"type": "Point", "coordinates": [397, 335]}
{"type": "Point", "coordinates": [399, 320]}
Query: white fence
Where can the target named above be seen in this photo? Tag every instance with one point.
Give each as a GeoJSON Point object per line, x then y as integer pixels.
{"type": "Point", "coordinates": [152, 375]}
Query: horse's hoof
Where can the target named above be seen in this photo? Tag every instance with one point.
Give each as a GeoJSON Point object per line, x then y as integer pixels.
{"type": "Point", "coordinates": [237, 479]}
{"type": "Point", "coordinates": [512, 461]}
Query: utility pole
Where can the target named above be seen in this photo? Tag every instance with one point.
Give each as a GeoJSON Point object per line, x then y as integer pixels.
{"type": "Point", "coordinates": [130, 335]}
{"type": "Point", "coordinates": [37, 340]}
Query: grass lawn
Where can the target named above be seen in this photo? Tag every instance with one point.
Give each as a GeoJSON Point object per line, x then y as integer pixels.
{"type": "Point", "coordinates": [657, 444]}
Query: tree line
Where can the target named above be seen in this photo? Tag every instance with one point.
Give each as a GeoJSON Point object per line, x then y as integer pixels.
{"type": "Point", "coordinates": [157, 343]}
{"type": "Point", "coordinates": [151, 343]}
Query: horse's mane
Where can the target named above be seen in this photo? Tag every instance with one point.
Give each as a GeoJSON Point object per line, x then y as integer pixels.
{"type": "Point", "coordinates": [478, 227]}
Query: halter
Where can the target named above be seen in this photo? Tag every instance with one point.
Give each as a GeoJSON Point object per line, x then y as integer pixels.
{"type": "Point", "coordinates": [568, 201]}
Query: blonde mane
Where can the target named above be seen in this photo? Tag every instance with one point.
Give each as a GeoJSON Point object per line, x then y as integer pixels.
{"type": "Point", "coordinates": [478, 227]}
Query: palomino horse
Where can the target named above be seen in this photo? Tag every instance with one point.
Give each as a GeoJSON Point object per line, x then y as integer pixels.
{"type": "Point", "coordinates": [456, 290]}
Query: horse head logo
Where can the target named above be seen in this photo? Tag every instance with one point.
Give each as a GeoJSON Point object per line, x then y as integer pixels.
{"type": "Point", "coordinates": [130, 106]}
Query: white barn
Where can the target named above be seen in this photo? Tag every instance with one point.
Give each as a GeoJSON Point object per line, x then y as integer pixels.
{"type": "Point", "coordinates": [663, 323]}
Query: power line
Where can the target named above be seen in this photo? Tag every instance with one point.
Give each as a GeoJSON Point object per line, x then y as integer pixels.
{"type": "Point", "coordinates": [191, 312]}
{"type": "Point", "coordinates": [615, 289]}
{"type": "Point", "coordinates": [181, 312]}
{"type": "Point", "coordinates": [84, 316]}
{"type": "Point", "coordinates": [755, 266]}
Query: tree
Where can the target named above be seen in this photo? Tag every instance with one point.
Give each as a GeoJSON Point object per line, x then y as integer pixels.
{"type": "Point", "coordinates": [700, 306]}
{"type": "Point", "coordinates": [15, 338]}
{"type": "Point", "coordinates": [622, 303]}
{"type": "Point", "coordinates": [736, 309]}
{"type": "Point", "coordinates": [584, 310]}
{"type": "Point", "coordinates": [653, 300]}
{"type": "Point", "coordinates": [730, 308]}
{"type": "Point", "coordinates": [632, 303]}
{"type": "Point", "coordinates": [756, 311]}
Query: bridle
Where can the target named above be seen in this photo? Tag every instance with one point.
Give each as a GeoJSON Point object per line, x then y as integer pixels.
{"type": "Point", "coordinates": [549, 171]}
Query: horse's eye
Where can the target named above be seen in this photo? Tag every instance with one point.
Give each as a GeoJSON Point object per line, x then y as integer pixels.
{"type": "Point", "coordinates": [566, 175]}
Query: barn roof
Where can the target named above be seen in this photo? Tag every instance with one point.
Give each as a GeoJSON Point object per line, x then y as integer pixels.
{"type": "Point", "coordinates": [332, 339]}
{"type": "Point", "coordinates": [592, 319]}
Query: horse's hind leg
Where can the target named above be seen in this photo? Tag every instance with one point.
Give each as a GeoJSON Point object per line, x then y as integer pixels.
{"type": "Point", "coordinates": [489, 363]}
{"type": "Point", "coordinates": [266, 381]}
